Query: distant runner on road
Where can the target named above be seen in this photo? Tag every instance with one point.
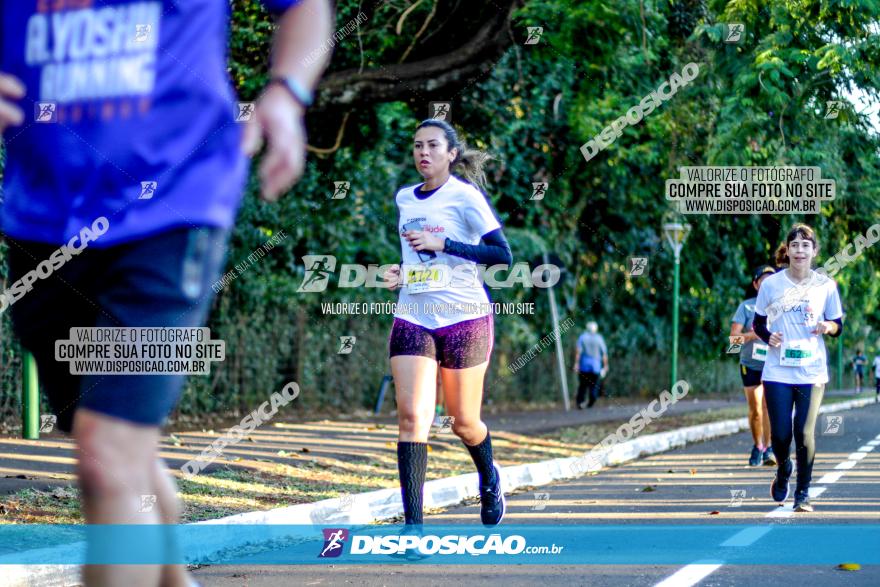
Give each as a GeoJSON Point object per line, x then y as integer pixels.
{"type": "Point", "coordinates": [751, 359]}
{"type": "Point", "coordinates": [859, 362]}
{"type": "Point", "coordinates": [877, 376]}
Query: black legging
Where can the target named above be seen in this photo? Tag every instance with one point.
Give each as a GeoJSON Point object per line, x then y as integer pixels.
{"type": "Point", "coordinates": [805, 399]}
{"type": "Point", "coordinates": [587, 382]}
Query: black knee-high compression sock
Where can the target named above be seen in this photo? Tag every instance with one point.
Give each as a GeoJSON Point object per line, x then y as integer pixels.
{"type": "Point", "coordinates": [412, 464]}
{"type": "Point", "coordinates": [482, 456]}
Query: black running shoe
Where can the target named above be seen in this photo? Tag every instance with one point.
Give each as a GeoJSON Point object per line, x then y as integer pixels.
{"type": "Point", "coordinates": [492, 501]}
{"type": "Point", "coordinates": [802, 501]}
{"type": "Point", "coordinates": [755, 458]}
{"type": "Point", "coordinates": [769, 459]}
{"type": "Point", "coordinates": [779, 487]}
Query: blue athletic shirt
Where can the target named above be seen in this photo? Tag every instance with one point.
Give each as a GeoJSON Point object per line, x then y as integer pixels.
{"type": "Point", "coordinates": [129, 114]}
{"type": "Point", "coordinates": [592, 348]}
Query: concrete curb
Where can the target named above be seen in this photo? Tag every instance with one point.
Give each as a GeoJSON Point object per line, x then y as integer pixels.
{"type": "Point", "coordinates": [383, 504]}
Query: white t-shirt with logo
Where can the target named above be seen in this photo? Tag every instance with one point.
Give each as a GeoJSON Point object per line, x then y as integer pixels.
{"type": "Point", "coordinates": [795, 310]}
{"type": "Point", "coordinates": [446, 289]}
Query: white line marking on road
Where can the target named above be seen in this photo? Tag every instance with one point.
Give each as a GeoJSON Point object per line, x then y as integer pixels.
{"type": "Point", "coordinates": [831, 477]}
{"type": "Point", "coordinates": [783, 511]}
{"type": "Point", "coordinates": [689, 575]}
{"type": "Point", "coordinates": [787, 510]}
{"type": "Point", "coordinates": [746, 536]}
{"type": "Point", "coordinates": [693, 573]}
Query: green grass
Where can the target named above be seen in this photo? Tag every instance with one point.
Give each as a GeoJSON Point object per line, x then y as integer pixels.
{"type": "Point", "coordinates": [33, 506]}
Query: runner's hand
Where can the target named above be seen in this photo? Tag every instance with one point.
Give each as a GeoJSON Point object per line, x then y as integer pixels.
{"type": "Point", "coordinates": [823, 327]}
{"type": "Point", "coordinates": [279, 118]}
{"type": "Point", "coordinates": [392, 277]}
{"type": "Point", "coordinates": [10, 114]}
{"type": "Point", "coordinates": [776, 339]}
{"type": "Point", "coordinates": [420, 240]}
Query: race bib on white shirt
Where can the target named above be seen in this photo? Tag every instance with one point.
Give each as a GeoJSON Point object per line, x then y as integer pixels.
{"type": "Point", "coordinates": [431, 298]}
{"type": "Point", "coordinates": [759, 351]}
{"type": "Point", "coordinates": [802, 358]}
{"type": "Point", "coordinates": [424, 277]}
{"type": "Point", "coordinates": [799, 353]}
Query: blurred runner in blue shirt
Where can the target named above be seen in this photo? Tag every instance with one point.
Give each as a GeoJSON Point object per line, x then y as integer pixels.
{"type": "Point", "coordinates": [123, 137]}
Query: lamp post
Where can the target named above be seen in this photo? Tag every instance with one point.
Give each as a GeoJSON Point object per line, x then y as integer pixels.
{"type": "Point", "coordinates": [676, 233]}
{"type": "Point", "coordinates": [840, 360]}
{"type": "Point", "coordinates": [30, 397]}
{"type": "Point", "coordinates": [560, 358]}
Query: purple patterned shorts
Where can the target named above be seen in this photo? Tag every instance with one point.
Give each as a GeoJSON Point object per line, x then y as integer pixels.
{"type": "Point", "coordinates": [457, 346]}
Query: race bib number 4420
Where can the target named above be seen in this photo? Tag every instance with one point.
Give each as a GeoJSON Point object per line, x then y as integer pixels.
{"type": "Point", "coordinates": [420, 278]}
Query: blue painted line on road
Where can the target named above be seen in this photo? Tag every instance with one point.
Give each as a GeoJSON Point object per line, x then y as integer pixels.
{"type": "Point", "coordinates": [663, 544]}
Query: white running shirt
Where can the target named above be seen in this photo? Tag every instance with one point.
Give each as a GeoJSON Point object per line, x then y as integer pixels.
{"type": "Point", "coordinates": [794, 311]}
{"type": "Point", "coordinates": [877, 367]}
{"type": "Point", "coordinates": [444, 290]}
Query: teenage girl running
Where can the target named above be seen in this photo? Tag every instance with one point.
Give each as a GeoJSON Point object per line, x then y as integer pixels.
{"type": "Point", "coordinates": [751, 362]}
{"type": "Point", "coordinates": [795, 308]}
{"type": "Point", "coordinates": [446, 227]}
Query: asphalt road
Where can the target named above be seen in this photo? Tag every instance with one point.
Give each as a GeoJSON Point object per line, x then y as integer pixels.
{"type": "Point", "coordinates": [690, 486]}
{"type": "Point", "coordinates": [49, 462]}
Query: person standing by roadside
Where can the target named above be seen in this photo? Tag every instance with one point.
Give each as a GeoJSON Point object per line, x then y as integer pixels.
{"type": "Point", "coordinates": [591, 364]}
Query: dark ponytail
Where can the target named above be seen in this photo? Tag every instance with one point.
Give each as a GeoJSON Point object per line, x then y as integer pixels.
{"type": "Point", "coordinates": [781, 255]}
{"type": "Point", "coordinates": [468, 163]}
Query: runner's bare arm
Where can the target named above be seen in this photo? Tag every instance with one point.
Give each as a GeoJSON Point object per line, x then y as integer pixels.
{"type": "Point", "coordinates": [736, 329]}
{"type": "Point", "coordinates": [10, 89]}
{"type": "Point", "coordinates": [302, 31]}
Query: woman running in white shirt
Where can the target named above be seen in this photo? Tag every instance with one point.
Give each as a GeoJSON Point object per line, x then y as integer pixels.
{"type": "Point", "coordinates": [446, 227]}
{"type": "Point", "coordinates": [795, 308]}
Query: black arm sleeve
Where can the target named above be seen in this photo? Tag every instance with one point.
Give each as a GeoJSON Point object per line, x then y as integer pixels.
{"type": "Point", "coordinates": [760, 328]}
{"type": "Point", "coordinates": [839, 323]}
{"type": "Point", "coordinates": [492, 250]}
